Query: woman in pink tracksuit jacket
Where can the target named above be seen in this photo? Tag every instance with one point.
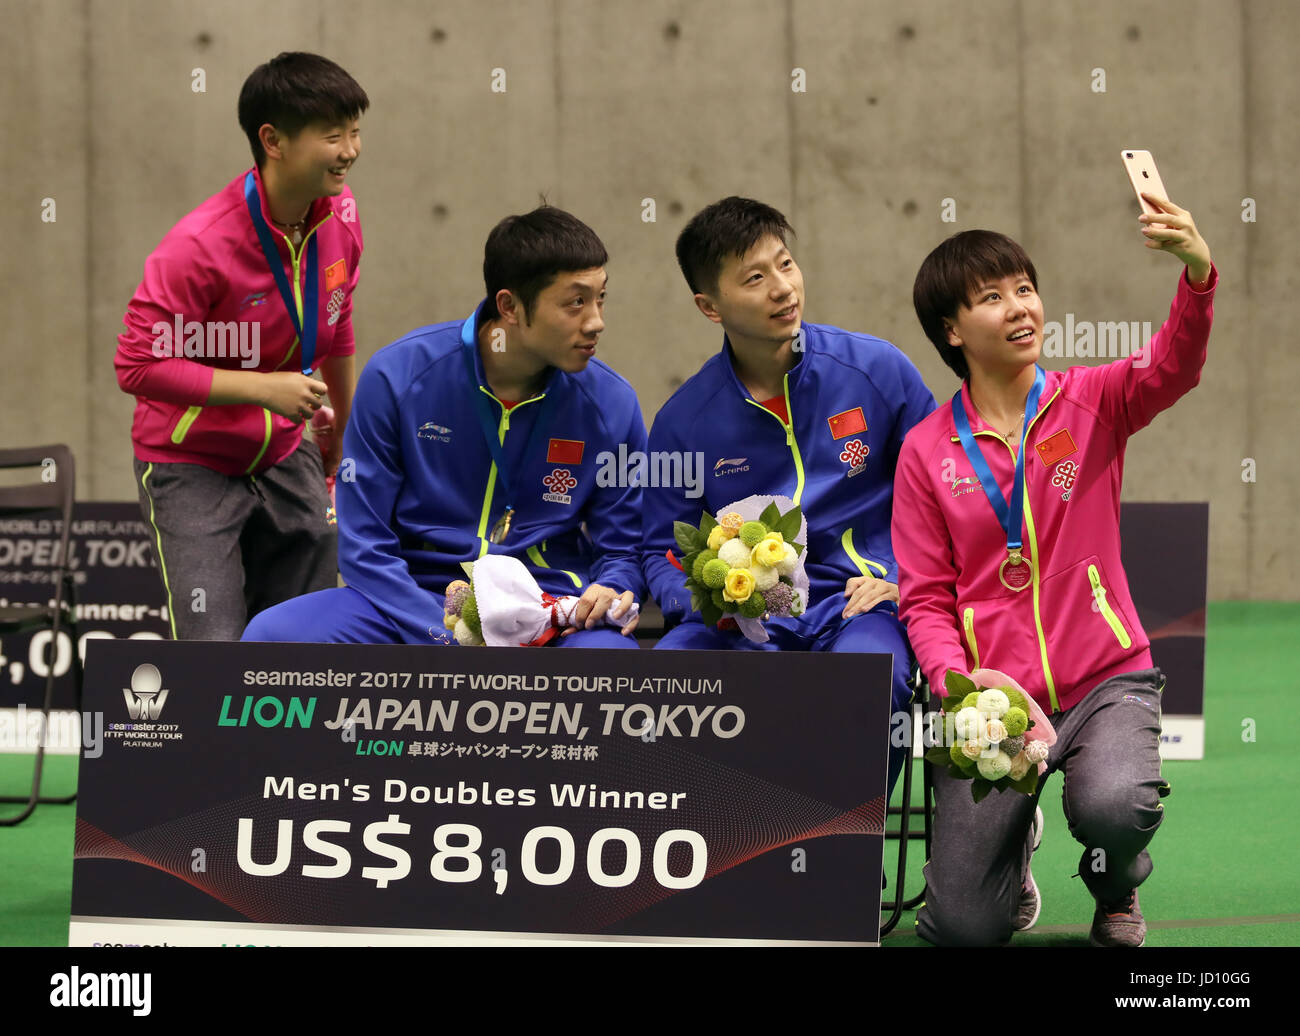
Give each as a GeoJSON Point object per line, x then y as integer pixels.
{"type": "Point", "coordinates": [1061, 622]}
{"type": "Point", "coordinates": [240, 325]}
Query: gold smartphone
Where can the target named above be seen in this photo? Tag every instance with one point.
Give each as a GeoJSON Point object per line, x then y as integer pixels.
{"type": "Point", "coordinates": [1144, 176]}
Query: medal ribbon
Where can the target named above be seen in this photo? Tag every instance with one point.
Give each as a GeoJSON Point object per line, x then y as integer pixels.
{"type": "Point", "coordinates": [307, 333]}
{"type": "Point", "coordinates": [469, 343]}
{"type": "Point", "coordinates": [1009, 512]}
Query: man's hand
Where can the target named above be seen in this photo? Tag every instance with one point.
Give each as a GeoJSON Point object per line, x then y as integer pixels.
{"type": "Point", "coordinates": [293, 395]}
{"type": "Point", "coordinates": [1172, 230]}
{"type": "Point", "coordinates": [595, 601]}
{"type": "Point", "coordinates": [865, 592]}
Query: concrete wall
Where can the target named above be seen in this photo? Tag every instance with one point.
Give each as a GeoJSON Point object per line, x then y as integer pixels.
{"type": "Point", "coordinates": [996, 106]}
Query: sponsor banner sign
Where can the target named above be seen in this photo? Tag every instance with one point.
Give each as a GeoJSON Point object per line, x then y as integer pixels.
{"type": "Point", "coordinates": [267, 794]}
{"type": "Point", "coordinates": [1165, 551]}
{"type": "Point", "coordinates": [119, 594]}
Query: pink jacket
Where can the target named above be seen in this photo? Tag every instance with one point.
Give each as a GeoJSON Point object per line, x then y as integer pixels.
{"type": "Point", "coordinates": [1075, 625]}
{"type": "Point", "coordinates": [209, 273]}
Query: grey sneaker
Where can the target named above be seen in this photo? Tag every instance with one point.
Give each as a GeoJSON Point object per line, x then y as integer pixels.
{"type": "Point", "coordinates": [1119, 924]}
{"type": "Point", "coordinates": [1030, 901]}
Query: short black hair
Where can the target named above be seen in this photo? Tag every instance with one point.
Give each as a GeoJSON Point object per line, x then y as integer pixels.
{"type": "Point", "coordinates": [949, 276]}
{"type": "Point", "coordinates": [293, 90]}
{"type": "Point", "coordinates": [731, 226]}
{"type": "Point", "coordinates": [524, 254]}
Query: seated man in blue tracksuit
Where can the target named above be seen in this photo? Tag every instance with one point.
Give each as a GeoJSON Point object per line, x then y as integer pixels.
{"type": "Point", "coordinates": [794, 409]}
{"type": "Point", "coordinates": [485, 436]}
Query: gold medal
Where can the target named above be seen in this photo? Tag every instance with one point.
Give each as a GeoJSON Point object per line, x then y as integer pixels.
{"type": "Point", "coordinates": [502, 528]}
{"type": "Point", "coordinates": [1016, 570]}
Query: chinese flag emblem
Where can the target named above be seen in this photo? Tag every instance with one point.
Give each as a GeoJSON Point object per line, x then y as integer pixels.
{"type": "Point", "coordinates": [850, 422]}
{"type": "Point", "coordinates": [565, 451]}
{"type": "Point", "coordinates": [1056, 447]}
{"type": "Point", "coordinates": [335, 275]}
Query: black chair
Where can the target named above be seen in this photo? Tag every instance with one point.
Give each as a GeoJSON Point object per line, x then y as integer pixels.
{"type": "Point", "coordinates": [53, 491]}
{"type": "Point", "coordinates": [904, 834]}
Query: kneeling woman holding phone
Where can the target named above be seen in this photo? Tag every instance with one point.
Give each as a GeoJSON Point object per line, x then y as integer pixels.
{"type": "Point", "coordinates": [1006, 529]}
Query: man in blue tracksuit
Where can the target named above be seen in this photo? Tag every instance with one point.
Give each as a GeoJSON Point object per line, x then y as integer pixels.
{"type": "Point", "coordinates": [485, 436]}
{"type": "Point", "coordinates": [794, 409]}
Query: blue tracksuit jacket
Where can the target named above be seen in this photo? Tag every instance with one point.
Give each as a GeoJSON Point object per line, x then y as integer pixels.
{"type": "Point", "coordinates": [851, 399]}
{"type": "Point", "coordinates": [424, 494]}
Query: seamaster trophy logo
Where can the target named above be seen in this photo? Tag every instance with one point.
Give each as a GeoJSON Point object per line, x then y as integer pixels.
{"type": "Point", "coordinates": [146, 696]}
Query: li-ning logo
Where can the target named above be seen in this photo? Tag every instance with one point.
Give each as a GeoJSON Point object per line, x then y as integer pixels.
{"type": "Point", "coordinates": [967, 484]}
{"type": "Point", "coordinates": [146, 696]}
{"type": "Point", "coordinates": [730, 466]}
{"type": "Point", "coordinates": [854, 455]}
{"type": "Point", "coordinates": [436, 432]}
{"type": "Point", "coordinates": [559, 482]}
{"type": "Point", "coordinates": [258, 298]}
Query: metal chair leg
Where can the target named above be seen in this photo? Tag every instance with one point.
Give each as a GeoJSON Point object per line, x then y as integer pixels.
{"type": "Point", "coordinates": [896, 905]}
{"type": "Point", "coordinates": [34, 798]}
{"type": "Point", "coordinates": [904, 834]}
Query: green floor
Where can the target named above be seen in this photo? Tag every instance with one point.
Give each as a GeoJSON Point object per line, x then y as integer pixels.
{"type": "Point", "coordinates": [1225, 856]}
{"type": "Point", "coordinates": [36, 856]}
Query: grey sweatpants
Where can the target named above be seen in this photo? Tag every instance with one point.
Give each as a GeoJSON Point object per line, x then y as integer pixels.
{"type": "Point", "coordinates": [1108, 750]}
{"type": "Point", "coordinates": [229, 546]}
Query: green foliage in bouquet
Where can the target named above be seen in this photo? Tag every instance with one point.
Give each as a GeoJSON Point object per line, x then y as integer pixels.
{"type": "Point", "coordinates": [962, 693]}
{"type": "Point", "coordinates": [469, 612]}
